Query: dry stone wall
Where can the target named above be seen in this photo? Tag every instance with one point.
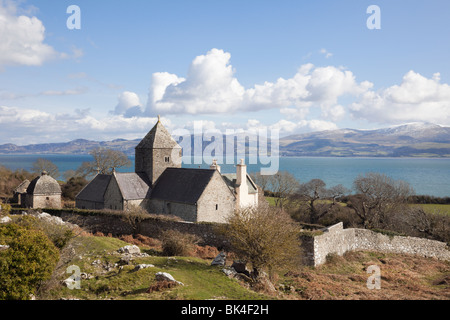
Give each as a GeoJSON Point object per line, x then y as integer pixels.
{"type": "Point", "coordinates": [337, 240]}
{"type": "Point", "coordinates": [334, 240]}
{"type": "Point", "coordinates": [154, 228]}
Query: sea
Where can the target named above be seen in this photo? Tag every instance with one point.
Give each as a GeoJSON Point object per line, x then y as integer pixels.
{"type": "Point", "coordinates": [427, 176]}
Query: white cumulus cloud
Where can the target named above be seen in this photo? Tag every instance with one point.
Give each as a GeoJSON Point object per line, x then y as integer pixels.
{"type": "Point", "coordinates": [211, 87]}
{"type": "Point", "coordinates": [22, 39]}
{"type": "Point", "coordinates": [128, 104]}
{"type": "Point", "coordinates": [417, 98]}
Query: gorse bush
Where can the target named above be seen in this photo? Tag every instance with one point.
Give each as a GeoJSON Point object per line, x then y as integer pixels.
{"type": "Point", "coordinates": [60, 235]}
{"type": "Point", "coordinates": [5, 208]}
{"type": "Point", "coordinates": [29, 260]}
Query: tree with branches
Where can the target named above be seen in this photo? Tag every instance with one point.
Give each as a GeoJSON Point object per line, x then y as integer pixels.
{"type": "Point", "coordinates": [105, 162]}
{"type": "Point", "coordinates": [41, 165]}
{"type": "Point", "coordinates": [265, 237]}
{"type": "Point", "coordinates": [378, 195]}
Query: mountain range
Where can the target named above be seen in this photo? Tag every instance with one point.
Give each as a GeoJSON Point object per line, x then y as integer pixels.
{"type": "Point", "coordinates": [408, 140]}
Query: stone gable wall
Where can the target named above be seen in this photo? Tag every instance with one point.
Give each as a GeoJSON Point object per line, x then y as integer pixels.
{"type": "Point", "coordinates": [217, 203]}
{"type": "Point", "coordinates": [113, 197]}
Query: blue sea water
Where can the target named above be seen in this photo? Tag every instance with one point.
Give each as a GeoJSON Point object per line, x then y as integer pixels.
{"type": "Point", "coordinates": [426, 176]}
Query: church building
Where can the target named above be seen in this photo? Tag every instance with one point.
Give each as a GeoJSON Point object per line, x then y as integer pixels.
{"type": "Point", "coordinates": [161, 186]}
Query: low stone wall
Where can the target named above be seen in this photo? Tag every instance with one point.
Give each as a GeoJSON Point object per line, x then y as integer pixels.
{"type": "Point", "coordinates": [152, 227]}
{"type": "Point", "coordinates": [334, 240]}
{"type": "Point", "coordinates": [337, 240]}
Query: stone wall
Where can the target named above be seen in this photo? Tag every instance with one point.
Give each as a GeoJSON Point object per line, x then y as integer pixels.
{"type": "Point", "coordinates": [44, 201]}
{"type": "Point", "coordinates": [152, 227]}
{"type": "Point", "coordinates": [187, 212]}
{"type": "Point", "coordinates": [334, 240]}
{"type": "Point", "coordinates": [337, 240]}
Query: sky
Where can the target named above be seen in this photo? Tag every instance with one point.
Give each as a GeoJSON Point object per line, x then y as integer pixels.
{"type": "Point", "coordinates": [107, 70]}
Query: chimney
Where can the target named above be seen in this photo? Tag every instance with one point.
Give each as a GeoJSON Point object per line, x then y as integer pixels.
{"type": "Point", "coordinates": [215, 166]}
{"type": "Point", "coordinates": [241, 173]}
{"type": "Point", "coordinates": [241, 184]}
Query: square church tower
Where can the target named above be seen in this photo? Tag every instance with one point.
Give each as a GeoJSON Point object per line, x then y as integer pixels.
{"type": "Point", "coordinates": [157, 152]}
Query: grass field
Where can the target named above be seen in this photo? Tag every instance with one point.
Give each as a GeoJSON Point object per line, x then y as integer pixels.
{"type": "Point", "coordinates": [436, 208]}
{"type": "Point", "coordinates": [201, 280]}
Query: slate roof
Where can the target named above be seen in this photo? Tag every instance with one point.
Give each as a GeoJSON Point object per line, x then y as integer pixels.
{"type": "Point", "coordinates": [182, 184]}
{"type": "Point", "coordinates": [158, 138]}
{"type": "Point", "coordinates": [230, 179]}
{"type": "Point", "coordinates": [133, 186]}
{"type": "Point", "coordinates": [43, 185]}
{"type": "Point", "coordinates": [95, 190]}
{"type": "Point", "coordinates": [22, 188]}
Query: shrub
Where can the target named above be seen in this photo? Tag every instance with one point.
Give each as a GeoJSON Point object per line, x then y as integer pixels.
{"type": "Point", "coordinates": [265, 237]}
{"type": "Point", "coordinates": [5, 208]}
{"type": "Point", "coordinates": [206, 252]}
{"type": "Point", "coordinates": [60, 235]}
{"type": "Point", "coordinates": [175, 243]}
{"type": "Point", "coordinates": [28, 262]}
{"type": "Point", "coordinates": [161, 285]}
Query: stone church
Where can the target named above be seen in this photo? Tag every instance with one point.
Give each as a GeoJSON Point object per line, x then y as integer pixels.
{"type": "Point", "coordinates": [161, 186]}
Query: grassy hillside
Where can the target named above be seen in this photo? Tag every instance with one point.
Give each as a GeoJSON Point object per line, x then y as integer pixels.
{"type": "Point", "coordinates": [97, 256]}
{"type": "Point", "coordinates": [403, 277]}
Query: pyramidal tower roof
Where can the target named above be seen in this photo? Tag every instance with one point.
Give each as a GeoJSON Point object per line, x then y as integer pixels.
{"type": "Point", "coordinates": [158, 138]}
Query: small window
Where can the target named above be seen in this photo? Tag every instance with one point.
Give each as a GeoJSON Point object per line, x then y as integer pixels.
{"type": "Point", "coordinates": [47, 198]}
{"type": "Point", "coordinates": [217, 207]}
{"type": "Point", "coordinates": [167, 159]}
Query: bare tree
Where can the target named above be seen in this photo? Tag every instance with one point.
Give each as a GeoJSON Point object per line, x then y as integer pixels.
{"type": "Point", "coordinates": [283, 184]}
{"type": "Point", "coordinates": [312, 191]}
{"type": "Point", "coordinates": [105, 162]}
{"type": "Point", "coordinates": [69, 174]}
{"type": "Point", "coordinates": [265, 237]}
{"type": "Point", "coordinates": [432, 225]}
{"type": "Point", "coordinates": [377, 196]}
{"type": "Point", "coordinates": [263, 181]}
{"type": "Point", "coordinates": [337, 192]}
{"type": "Point", "coordinates": [41, 165]}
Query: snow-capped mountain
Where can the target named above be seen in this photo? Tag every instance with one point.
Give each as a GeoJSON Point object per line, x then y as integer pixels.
{"type": "Point", "coordinates": [411, 139]}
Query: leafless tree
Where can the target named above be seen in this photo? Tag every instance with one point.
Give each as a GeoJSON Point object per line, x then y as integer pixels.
{"type": "Point", "coordinates": [377, 196]}
{"type": "Point", "coordinates": [105, 162]}
{"type": "Point", "coordinates": [41, 165]}
{"type": "Point", "coordinates": [263, 181]}
{"type": "Point", "coordinates": [432, 225]}
{"type": "Point", "coordinates": [337, 191]}
{"type": "Point", "coordinates": [283, 184]}
{"type": "Point", "coordinates": [311, 192]}
{"type": "Point", "coordinates": [265, 237]}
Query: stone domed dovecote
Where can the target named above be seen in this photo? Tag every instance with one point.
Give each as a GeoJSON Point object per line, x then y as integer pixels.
{"type": "Point", "coordinates": [43, 192]}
